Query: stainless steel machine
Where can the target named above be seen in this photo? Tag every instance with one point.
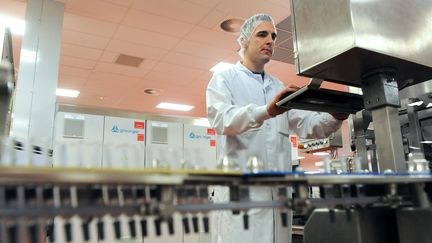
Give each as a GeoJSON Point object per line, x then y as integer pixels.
{"type": "Point", "coordinates": [380, 46]}
{"type": "Point", "coordinates": [384, 48]}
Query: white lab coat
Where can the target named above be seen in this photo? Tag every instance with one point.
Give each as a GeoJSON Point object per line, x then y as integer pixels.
{"type": "Point", "coordinates": [236, 107]}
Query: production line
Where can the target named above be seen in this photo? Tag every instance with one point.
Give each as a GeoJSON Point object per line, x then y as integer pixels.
{"type": "Point", "coordinates": [33, 196]}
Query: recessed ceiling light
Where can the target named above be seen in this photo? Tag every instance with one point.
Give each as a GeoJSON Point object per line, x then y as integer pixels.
{"type": "Point", "coordinates": [152, 91]}
{"type": "Point", "coordinates": [67, 93]}
{"type": "Point", "coordinates": [172, 106]}
{"type": "Point", "coordinates": [221, 66]}
{"type": "Point", "coordinates": [232, 25]}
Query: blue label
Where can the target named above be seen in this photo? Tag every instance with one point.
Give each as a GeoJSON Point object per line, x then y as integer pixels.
{"type": "Point", "coordinates": [116, 129]}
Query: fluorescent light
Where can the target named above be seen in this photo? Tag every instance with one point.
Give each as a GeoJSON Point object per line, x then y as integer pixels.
{"type": "Point", "coordinates": [417, 103]}
{"type": "Point", "coordinates": [67, 93]}
{"type": "Point", "coordinates": [412, 147]}
{"type": "Point", "coordinates": [429, 105]}
{"type": "Point", "coordinates": [221, 66]}
{"type": "Point", "coordinates": [17, 26]}
{"type": "Point", "coordinates": [426, 142]}
{"type": "Point", "coordinates": [300, 157]}
{"type": "Point", "coordinates": [321, 153]}
{"type": "Point", "coordinates": [171, 106]}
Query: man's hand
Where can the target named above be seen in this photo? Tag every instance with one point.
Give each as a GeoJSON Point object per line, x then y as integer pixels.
{"type": "Point", "coordinates": [340, 116]}
{"type": "Point", "coordinates": [274, 110]}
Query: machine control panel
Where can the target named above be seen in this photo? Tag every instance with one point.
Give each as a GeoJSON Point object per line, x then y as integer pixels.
{"type": "Point", "coordinates": [324, 144]}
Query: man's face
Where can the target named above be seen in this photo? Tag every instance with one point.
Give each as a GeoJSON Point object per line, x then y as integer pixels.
{"type": "Point", "coordinates": [261, 44]}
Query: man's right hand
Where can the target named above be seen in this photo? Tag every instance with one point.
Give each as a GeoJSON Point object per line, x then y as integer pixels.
{"type": "Point", "coordinates": [274, 110]}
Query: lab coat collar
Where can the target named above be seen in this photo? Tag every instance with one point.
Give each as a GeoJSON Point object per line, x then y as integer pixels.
{"type": "Point", "coordinates": [267, 79]}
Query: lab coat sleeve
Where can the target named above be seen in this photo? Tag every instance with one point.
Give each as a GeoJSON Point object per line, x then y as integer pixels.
{"type": "Point", "coordinates": [226, 117]}
{"type": "Point", "coordinates": [308, 124]}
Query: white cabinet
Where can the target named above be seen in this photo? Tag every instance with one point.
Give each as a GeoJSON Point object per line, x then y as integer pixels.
{"type": "Point", "coordinates": [124, 142]}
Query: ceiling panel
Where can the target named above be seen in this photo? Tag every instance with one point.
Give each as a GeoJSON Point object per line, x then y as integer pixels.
{"type": "Point", "coordinates": [156, 23]}
{"type": "Point", "coordinates": [97, 9]}
{"type": "Point", "coordinates": [282, 36]}
{"type": "Point", "coordinates": [83, 39]}
{"type": "Point", "coordinates": [174, 9]}
{"type": "Point", "coordinates": [247, 8]}
{"type": "Point", "coordinates": [132, 49]}
{"type": "Point", "coordinates": [88, 25]}
{"type": "Point", "coordinates": [70, 82]}
{"type": "Point", "coordinates": [206, 3]}
{"type": "Point", "coordinates": [179, 70]}
{"type": "Point", "coordinates": [284, 43]}
{"type": "Point", "coordinates": [144, 68]}
{"type": "Point", "coordinates": [285, 24]}
{"type": "Point", "coordinates": [13, 8]}
{"type": "Point", "coordinates": [77, 62]}
{"type": "Point", "coordinates": [143, 37]}
{"type": "Point", "coordinates": [287, 44]}
{"type": "Point", "coordinates": [202, 50]}
{"type": "Point", "coordinates": [125, 3]}
{"type": "Point", "coordinates": [109, 57]}
{"type": "Point", "coordinates": [213, 19]}
{"type": "Point", "coordinates": [73, 71]}
{"type": "Point", "coordinates": [216, 38]}
{"type": "Point", "coordinates": [168, 78]}
{"type": "Point", "coordinates": [280, 54]}
{"type": "Point", "coordinates": [104, 78]}
{"type": "Point", "coordinates": [80, 51]}
{"type": "Point", "coordinates": [190, 61]}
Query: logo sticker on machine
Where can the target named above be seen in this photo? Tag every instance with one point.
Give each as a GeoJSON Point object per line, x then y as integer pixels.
{"type": "Point", "coordinates": [138, 125]}
{"type": "Point", "coordinates": [115, 129]}
{"type": "Point", "coordinates": [293, 140]}
{"type": "Point", "coordinates": [210, 131]}
{"type": "Point", "coordinates": [212, 143]}
{"type": "Point", "coordinates": [140, 137]}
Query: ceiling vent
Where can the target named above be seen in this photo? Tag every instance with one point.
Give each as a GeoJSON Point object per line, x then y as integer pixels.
{"type": "Point", "coordinates": [130, 61]}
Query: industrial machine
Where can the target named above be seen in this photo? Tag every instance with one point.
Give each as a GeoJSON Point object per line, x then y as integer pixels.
{"type": "Point", "coordinates": [351, 208]}
{"type": "Point", "coordinates": [379, 47]}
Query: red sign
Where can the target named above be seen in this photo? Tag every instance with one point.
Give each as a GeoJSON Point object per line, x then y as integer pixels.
{"type": "Point", "coordinates": [139, 125]}
{"type": "Point", "coordinates": [293, 140]}
{"type": "Point", "coordinates": [212, 143]}
{"type": "Point", "coordinates": [210, 131]}
{"type": "Point", "coordinates": [140, 137]}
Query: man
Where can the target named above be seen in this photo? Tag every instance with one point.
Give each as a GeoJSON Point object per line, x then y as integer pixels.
{"type": "Point", "coordinates": [241, 106]}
